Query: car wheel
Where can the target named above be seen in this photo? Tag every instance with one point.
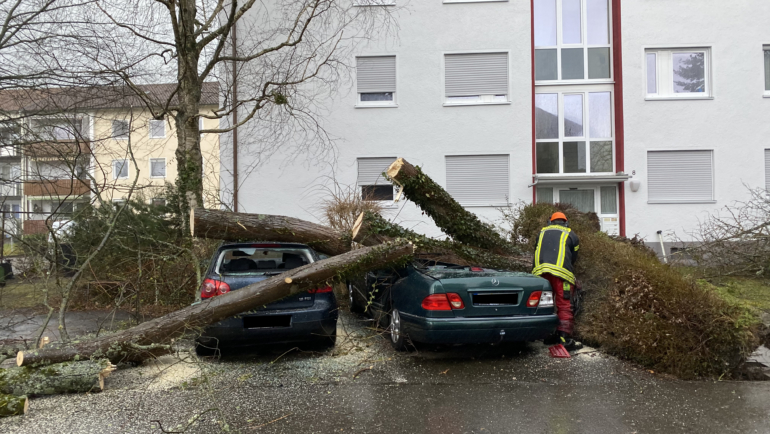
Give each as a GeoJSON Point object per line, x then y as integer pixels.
{"type": "Point", "coordinates": [202, 350]}
{"type": "Point", "coordinates": [397, 333]}
{"type": "Point", "coordinates": [353, 296]}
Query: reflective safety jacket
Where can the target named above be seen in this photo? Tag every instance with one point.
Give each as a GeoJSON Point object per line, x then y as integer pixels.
{"type": "Point", "coordinates": [557, 252]}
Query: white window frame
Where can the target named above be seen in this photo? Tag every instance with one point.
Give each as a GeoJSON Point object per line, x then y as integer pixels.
{"type": "Point", "coordinates": [112, 129]}
{"type": "Point", "coordinates": [149, 126]}
{"type": "Point", "coordinates": [664, 75]}
{"type": "Point", "coordinates": [473, 100]}
{"type": "Point", "coordinates": [765, 49]}
{"type": "Point", "coordinates": [381, 181]}
{"type": "Point", "coordinates": [575, 90]}
{"type": "Point", "coordinates": [683, 201]}
{"type": "Point", "coordinates": [152, 160]}
{"type": "Point", "coordinates": [115, 172]}
{"type": "Point", "coordinates": [584, 45]}
{"type": "Point", "coordinates": [378, 104]}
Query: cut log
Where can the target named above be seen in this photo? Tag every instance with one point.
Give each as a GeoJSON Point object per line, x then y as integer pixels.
{"type": "Point", "coordinates": [13, 405]}
{"type": "Point", "coordinates": [460, 224]}
{"type": "Point", "coordinates": [68, 377]}
{"type": "Point", "coordinates": [136, 343]}
{"type": "Point", "coordinates": [232, 226]}
{"type": "Point", "coordinates": [372, 229]}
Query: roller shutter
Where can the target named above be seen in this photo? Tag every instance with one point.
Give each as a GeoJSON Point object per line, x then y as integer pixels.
{"type": "Point", "coordinates": [376, 74]}
{"type": "Point", "coordinates": [476, 74]}
{"type": "Point", "coordinates": [370, 170]}
{"type": "Point", "coordinates": [478, 179]}
{"type": "Point", "coordinates": [680, 176]}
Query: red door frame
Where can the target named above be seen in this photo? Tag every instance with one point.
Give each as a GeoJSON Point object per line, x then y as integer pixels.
{"type": "Point", "coordinates": [617, 50]}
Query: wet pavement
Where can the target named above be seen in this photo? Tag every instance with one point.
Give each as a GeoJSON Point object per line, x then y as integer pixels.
{"type": "Point", "coordinates": [22, 325]}
{"type": "Point", "coordinates": [364, 386]}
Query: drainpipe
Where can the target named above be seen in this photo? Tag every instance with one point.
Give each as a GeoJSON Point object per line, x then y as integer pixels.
{"type": "Point", "coordinates": [662, 249]}
{"type": "Point", "coordinates": [234, 33]}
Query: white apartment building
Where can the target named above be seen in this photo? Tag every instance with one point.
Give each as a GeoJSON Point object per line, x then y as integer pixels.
{"type": "Point", "coordinates": [652, 114]}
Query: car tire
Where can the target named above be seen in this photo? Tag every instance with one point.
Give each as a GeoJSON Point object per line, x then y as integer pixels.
{"type": "Point", "coordinates": [206, 350]}
{"type": "Point", "coordinates": [354, 299]}
{"type": "Point", "coordinates": [396, 331]}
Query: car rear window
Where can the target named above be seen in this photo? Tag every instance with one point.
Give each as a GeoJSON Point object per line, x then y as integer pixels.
{"type": "Point", "coordinates": [261, 260]}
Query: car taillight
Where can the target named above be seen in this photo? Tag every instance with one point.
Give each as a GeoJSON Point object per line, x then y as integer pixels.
{"type": "Point", "coordinates": [211, 287]}
{"type": "Point", "coordinates": [546, 299]}
{"type": "Point", "coordinates": [436, 302]}
{"type": "Point", "coordinates": [320, 290]}
{"type": "Point", "coordinates": [455, 301]}
{"type": "Point", "coordinates": [477, 269]}
{"type": "Point", "coordinates": [534, 299]}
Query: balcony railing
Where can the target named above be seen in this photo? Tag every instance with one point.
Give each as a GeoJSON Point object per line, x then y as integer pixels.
{"type": "Point", "coordinates": [32, 227]}
{"type": "Point", "coordinates": [61, 149]}
{"type": "Point", "coordinates": [57, 187]}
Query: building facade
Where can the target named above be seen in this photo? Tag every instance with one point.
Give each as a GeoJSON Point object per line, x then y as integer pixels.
{"type": "Point", "coordinates": [65, 148]}
{"type": "Point", "coordinates": [651, 114]}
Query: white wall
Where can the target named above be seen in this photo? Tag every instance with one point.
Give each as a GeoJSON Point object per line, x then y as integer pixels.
{"type": "Point", "coordinates": [420, 129]}
{"type": "Point", "coordinates": [734, 123]}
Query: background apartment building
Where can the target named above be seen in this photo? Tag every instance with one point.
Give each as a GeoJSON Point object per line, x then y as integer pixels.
{"type": "Point", "coordinates": [651, 114]}
{"type": "Point", "coordinates": [64, 147]}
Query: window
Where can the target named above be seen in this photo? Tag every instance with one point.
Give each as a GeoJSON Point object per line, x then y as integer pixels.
{"type": "Point", "coordinates": [373, 184]}
{"type": "Point", "coordinates": [158, 201]}
{"type": "Point", "coordinates": [157, 128]}
{"type": "Point", "coordinates": [678, 73]}
{"type": "Point", "coordinates": [481, 180]}
{"type": "Point", "coordinates": [767, 169]}
{"type": "Point", "coordinates": [119, 169]}
{"type": "Point", "coordinates": [119, 129]}
{"type": "Point", "coordinates": [680, 176]}
{"type": "Point", "coordinates": [157, 167]}
{"type": "Point", "coordinates": [574, 132]}
{"type": "Point", "coordinates": [572, 40]}
{"type": "Point", "coordinates": [60, 129]}
{"type": "Point", "coordinates": [767, 69]}
{"type": "Point", "coordinates": [376, 80]}
{"type": "Point", "coordinates": [476, 78]}
{"type": "Point", "coordinates": [66, 208]}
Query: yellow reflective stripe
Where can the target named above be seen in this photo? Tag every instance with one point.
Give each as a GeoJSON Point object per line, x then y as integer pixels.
{"type": "Point", "coordinates": [562, 249]}
{"type": "Point", "coordinates": [577, 247]}
{"type": "Point", "coordinates": [539, 245]}
{"type": "Point", "coordinates": [556, 271]}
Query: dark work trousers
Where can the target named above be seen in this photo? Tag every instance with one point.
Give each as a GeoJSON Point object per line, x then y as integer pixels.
{"type": "Point", "coordinates": [563, 305]}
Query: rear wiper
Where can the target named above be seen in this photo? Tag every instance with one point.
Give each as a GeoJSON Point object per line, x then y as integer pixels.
{"type": "Point", "coordinates": [273, 273]}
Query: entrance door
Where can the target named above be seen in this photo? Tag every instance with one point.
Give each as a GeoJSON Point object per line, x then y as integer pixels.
{"type": "Point", "coordinates": [603, 200]}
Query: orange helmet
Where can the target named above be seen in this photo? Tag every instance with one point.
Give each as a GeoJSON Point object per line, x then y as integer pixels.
{"type": "Point", "coordinates": [558, 216]}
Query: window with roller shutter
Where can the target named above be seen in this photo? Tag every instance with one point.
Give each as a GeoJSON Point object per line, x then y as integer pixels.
{"type": "Point", "coordinates": [478, 180]}
{"type": "Point", "coordinates": [472, 78]}
{"type": "Point", "coordinates": [376, 80]}
{"type": "Point", "coordinates": [680, 176]}
{"type": "Point", "coordinates": [372, 183]}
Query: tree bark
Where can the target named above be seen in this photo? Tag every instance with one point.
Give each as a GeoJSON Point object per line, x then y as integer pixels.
{"type": "Point", "coordinates": [457, 222]}
{"type": "Point", "coordinates": [138, 343]}
{"type": "Point", "coordinates": [233, 226]}
{"type": "Point", "coordinates": [13, 405]}
{"type": "Point", "coordinates": [68, 377]}
{"type": "Point", "coordinates": [373, 229]}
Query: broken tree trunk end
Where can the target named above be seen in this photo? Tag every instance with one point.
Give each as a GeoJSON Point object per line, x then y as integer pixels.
{"type": "Point", "coordinates": [233, 226]}
{"type": "Point", "coordinates": [457, 222]}
{"type": "Point", "coordinates": [136, 343]}
{"type": "Point", "coordinates": [69, 377]}
{"type": "Point", "coordinates": [13, 405]}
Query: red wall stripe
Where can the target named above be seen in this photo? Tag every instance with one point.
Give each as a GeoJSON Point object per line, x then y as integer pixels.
{"type": "Point", "coordinates": [617, 49]}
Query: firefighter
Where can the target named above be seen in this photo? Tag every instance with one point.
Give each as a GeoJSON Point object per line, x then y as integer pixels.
{"type": "Point", "coordinates": [555, 257]}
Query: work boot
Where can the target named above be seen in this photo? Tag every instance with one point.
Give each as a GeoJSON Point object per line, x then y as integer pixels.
{"type": "Point", "coordinates": [569, 343]}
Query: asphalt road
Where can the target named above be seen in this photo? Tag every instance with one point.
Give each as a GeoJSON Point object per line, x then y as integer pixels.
{"type": "Point", "coordinates": [363, 386]}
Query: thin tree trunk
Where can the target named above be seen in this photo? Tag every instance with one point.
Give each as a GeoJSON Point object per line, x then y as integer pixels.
{"type": "Point", "coordinates": [68, 377]}
{"type": "Point", "coordinates": [139, 342]}
{"type": "Point", "coordinates": [232, 226]}
{"type": "Point", "coordinates": [457, 222]}
{"type": "Point", "coordinates": [13, 405]}
{"type": "Point", "coordinates": [372, 229]}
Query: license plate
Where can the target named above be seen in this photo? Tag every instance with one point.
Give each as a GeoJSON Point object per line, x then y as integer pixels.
{"type": "Point", "coordinates": [495, 298]}
{"type": "Point", "coordinates": [266, 321]}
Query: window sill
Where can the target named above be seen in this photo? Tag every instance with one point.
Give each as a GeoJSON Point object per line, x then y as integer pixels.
{"type": "Point", "coordinates": [680, 201]}
{"type": "Point", "coordinates": [368, 106]}
{"type": "Point", "coordinates": [474, 1]}
{"type": "Point", "coordinates": [767, 95]}
{"type": "Point", "coordinates": [491, 205]}
{"type": "Point", "coordinates": [370, 6]}
{"type": "Point", "coordinates": [157, 177]}
{"type": "Point", "coordinates": [456, 104]}
{"type": "Point", "coordinates": [163, 137]}
{"type": "Point", "coordinates": [574, 82]}
{"type": "Point", "coordinates": [678, 98]}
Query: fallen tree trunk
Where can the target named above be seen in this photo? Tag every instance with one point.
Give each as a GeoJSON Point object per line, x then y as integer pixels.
{"type": "Point", "coordinates": [68, 377]}
{"type": "Point", "coordinates": [372, 229]}
{"type": "Point", "coordinates": [232, 226]}
{"type": "Point", "coordinates": [137, 343]}
{"type": "Point", "coordinates": [457, 222]}
{"type": "Point", "coordinates": [13, 405]}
